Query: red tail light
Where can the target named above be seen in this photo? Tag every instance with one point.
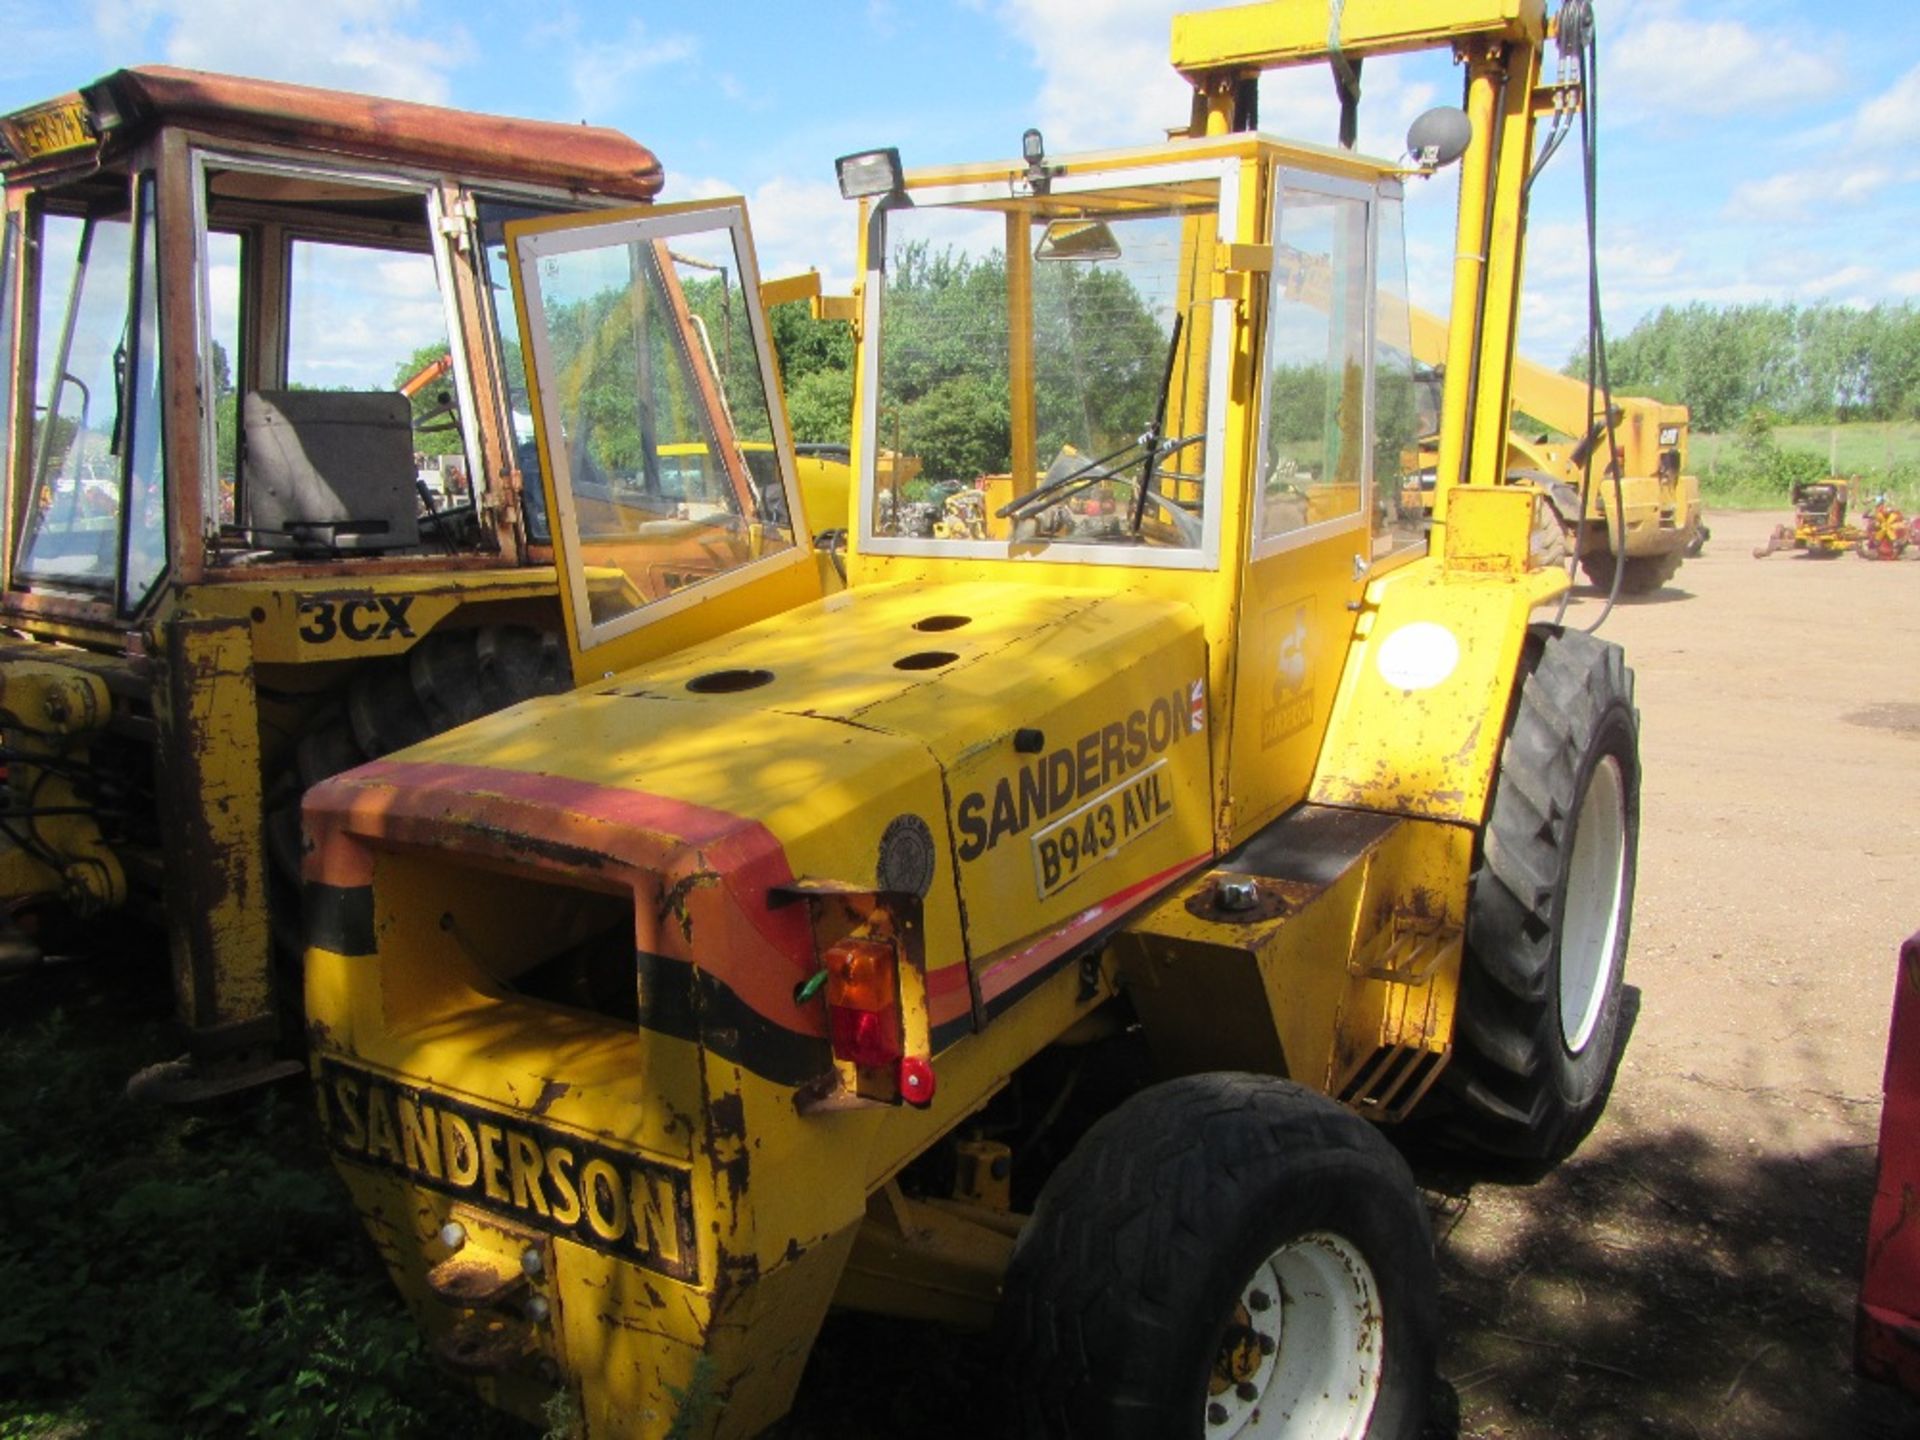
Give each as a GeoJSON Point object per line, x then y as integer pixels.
{"type": "Point", "coordinates": [863, 1003]}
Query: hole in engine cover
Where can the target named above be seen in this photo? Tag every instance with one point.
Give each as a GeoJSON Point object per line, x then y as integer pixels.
{"type": "Point", "coordinates": [925, 660]}
{"type": "Point", "coordinates": [942, 622]}
{"type": "Point", "coordinates": [728, 682]}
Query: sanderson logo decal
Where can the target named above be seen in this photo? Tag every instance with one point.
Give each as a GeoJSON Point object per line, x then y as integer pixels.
{"type": "Point", "coordinates": [1054, 783]}
{"type": "Point", "coordinates": [608, 1200]}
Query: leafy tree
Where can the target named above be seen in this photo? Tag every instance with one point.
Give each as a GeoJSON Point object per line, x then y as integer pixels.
{"type": "Point", "coordinates": [820, 405]}
{"type": "Point", "coordinates": [1099, 358]}
{"type": "Point", "coordinates": [1814, 364]}
{"type": "Point", "coordinates": [441, 435]}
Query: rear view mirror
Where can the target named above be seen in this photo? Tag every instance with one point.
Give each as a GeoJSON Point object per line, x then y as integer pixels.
{"type": "Point", "coordinates": [1077, 240]}
{"type": "Point", "coordinates": [1439, 137]}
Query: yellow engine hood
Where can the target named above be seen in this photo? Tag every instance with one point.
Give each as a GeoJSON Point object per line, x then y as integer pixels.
{"type": "Point", "coordinates": [1050, 742]}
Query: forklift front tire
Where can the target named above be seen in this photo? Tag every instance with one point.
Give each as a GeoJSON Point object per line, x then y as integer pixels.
{"type": "Point", "coordinates": [1227, 1256]}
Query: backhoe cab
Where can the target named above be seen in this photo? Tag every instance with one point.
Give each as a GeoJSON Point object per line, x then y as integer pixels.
{"type": "Point", "coordinates": [812, 964]}
{"type": "Point", "coordinates": [274, 505]}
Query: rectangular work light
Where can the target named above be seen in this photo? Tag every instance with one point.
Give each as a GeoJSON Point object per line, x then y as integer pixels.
{"type": "Point", "coordinates": [870, 172]}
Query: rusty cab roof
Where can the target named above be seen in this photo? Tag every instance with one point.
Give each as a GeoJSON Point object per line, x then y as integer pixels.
{"type": "Point", "coordinates": [127, 104]}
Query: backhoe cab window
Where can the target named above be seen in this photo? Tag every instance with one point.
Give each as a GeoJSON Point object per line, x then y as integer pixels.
{"type": "Point", "coordinates": [652, 396]}
{"type": "Point", "coordinates": [1043, 370]}
{"type": "Point", "coordinates": [96, 417]}
{"type": "Point", "coordinates": [494, 215]}
{"type": "Point", "coordinates": [337, 429]}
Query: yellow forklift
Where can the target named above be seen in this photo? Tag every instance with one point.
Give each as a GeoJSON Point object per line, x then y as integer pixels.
{"type": "Point", "coordinates": [1037, 931]}
{"type": "Point", "coordinates": [239, 321]}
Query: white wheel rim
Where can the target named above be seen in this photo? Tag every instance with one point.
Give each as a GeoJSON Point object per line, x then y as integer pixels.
{"type": "Point", "coordinates": [1590, 915]}
{"type": "Point", "coordinates": [1303, 1348]}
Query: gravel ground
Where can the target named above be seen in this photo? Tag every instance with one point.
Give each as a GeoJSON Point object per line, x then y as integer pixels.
{"type": "Point", "coordinates": [1692, 1270]}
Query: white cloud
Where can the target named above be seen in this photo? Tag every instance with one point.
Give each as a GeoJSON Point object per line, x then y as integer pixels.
{"type": "Point", "coordinates": [1557, 255]}
{"type": "Point", "coordinates": [1905, 283]}
{"type": "Point", "coordinates": [380, 47]}
{"type": "Point", "coordinates": [1106, 81]}
{"type": "Point", "coordinates": [1796, 194]}
{"type": "Point", "coordinates": [601, 69]}
{"type": "Point", "coordinates": [1892, 117]}
{"type": "Point", "coordinates": [798, 225]}
{"type": "Point", "coordinates": [1848, 283]}
{"type": "Point", "coordinates": [1668, 63]}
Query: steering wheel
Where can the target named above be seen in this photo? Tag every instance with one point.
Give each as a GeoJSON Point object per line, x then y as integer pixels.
{"type": "Point", "coordinates": [1069, 474]}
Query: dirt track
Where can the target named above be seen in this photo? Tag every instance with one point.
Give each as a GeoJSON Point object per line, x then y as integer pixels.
{"type": "Point", "coordinates": [1692, 1270]}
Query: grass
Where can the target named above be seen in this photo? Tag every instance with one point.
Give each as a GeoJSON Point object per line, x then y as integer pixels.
{"type": "Point", "coordinates": [1883, 456]}
{"type": "Point", "coordinates": [170, 1273]}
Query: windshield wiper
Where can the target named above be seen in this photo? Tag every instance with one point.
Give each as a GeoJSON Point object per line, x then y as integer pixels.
{"type": "Point", "coordinates": [1157, 428]}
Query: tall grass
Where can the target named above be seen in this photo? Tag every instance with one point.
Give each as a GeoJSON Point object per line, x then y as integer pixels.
{"type": "Point", "coordinates": [1755, 467]}
{"type": "Point", "coordinates": [185, 1274]}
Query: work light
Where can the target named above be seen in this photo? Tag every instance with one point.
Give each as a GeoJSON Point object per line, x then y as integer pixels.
{"type": "Point", "coordinates": [870, 172]}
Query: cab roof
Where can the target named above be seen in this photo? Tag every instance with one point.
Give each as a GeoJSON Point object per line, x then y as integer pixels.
{"type": "Point", "coordinates": [126, 104]}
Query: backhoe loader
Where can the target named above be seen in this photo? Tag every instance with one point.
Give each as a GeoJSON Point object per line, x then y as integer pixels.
{"type": "Point", "coordinates": [1038, 932]}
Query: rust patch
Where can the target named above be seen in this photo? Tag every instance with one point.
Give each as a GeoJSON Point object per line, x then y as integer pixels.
{"type": "Point", "coordinates": [574, 856]}
{"type": "Point", "coordinates": [549, 1092]}
{"type": "Point", "coordinates": [673, 900]}
{"type": "Point", "coordinates": [471, 1283]}
{"type": "Point", "coordinates": [726, 1146]}
{"type": "Point", "coordinates": [482, 1346]}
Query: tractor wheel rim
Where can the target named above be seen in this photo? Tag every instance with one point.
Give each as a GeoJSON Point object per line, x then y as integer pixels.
{"type": "Point", "coordinates": [1590, 926]}
{"type": "Point", "coordinates": [1303, 1349]}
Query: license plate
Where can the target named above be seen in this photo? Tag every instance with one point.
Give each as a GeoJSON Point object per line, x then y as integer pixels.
{"type": "Point", "coordinates": [49, 129]}
{"type": "Point", "coordinates": [1099, 829]}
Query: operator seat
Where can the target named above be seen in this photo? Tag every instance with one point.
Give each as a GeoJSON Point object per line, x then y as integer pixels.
{"type": "Point", "coordinates": [329, 470]}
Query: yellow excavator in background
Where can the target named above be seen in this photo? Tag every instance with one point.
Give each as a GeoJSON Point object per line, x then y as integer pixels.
{"type": "Point", "coordinates": [1659, 519]}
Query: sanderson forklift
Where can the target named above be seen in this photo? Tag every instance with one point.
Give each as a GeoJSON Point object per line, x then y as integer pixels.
{"type": "Point", "coordinates": [1036, 932]}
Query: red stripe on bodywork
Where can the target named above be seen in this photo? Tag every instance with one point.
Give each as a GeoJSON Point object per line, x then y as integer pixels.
{"type": "Point", "coordinates": [1000, 975]}
{"type": "Point", "coordinates": [693, 869]}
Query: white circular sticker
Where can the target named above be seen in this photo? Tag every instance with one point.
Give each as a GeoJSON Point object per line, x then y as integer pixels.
{"type": "Point", "coordinates": [1418, 656]}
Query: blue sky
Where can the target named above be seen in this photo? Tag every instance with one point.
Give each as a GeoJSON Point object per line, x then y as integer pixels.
{"type": "Point", "coordinates": [1749, 151]}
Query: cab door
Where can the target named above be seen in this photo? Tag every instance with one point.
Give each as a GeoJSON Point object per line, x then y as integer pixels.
{"type": "Point", "coordinates": [1310, 528]}
{"type": "Point", "coordinates": [651, 370]}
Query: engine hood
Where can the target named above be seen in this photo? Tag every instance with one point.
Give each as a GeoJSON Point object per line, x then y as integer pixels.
{"type": "Point", "coordinates": [1027, 759]}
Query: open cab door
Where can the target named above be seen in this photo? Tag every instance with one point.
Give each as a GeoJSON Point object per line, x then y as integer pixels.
{"type": "Point", "coordinates": [651, 373]}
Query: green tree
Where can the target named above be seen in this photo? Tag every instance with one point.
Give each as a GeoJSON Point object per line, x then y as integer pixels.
{"type": "Point", "coordinates": [436, 429]}
{"type": "Point", "coordinates": [226, 414]}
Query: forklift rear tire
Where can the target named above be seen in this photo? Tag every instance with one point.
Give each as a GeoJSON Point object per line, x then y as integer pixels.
{"type": "Point", "coordinates": [1228, 1256]}
{"type": "Point", "coordinates": [1550, 908]}
{"type": "Point", "coordinates": [1642, 574]}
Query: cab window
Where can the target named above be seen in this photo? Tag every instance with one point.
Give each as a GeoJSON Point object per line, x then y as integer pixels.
{"type": "Point", "coordinates": [652, 391]}
{"type": "Point", "coordinates": [87, 376]}
{"type": "Point", "coordinates": [1315, 447]}
{"type": "Point", "coordinates": [337, 428]}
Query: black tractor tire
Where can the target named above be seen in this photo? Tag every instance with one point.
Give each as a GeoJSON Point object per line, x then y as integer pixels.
{"type": "Point", "coordinates": [1641, 575]}
{"type": "Point", "coordinates": [450, 677]}
{"type": "Point", "coordinates": [1552, 538]}
{"type": "Point", "coordinates": [1130, 1305]}
{"type": "Point", "coordinates": [1550, 908]}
